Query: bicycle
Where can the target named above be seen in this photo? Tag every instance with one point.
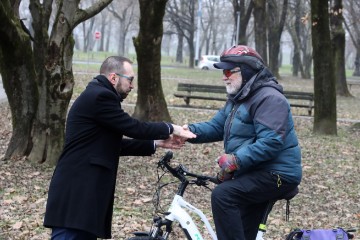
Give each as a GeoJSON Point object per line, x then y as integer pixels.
{"type": "Point", "coordinates": [177, 211]}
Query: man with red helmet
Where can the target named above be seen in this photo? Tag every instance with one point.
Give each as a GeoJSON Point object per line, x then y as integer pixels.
{"type": "Point", "coordinates": [262, 158]}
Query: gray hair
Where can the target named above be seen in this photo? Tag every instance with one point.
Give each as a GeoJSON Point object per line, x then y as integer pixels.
{"type": "Point", "coordinates": [113, 64]}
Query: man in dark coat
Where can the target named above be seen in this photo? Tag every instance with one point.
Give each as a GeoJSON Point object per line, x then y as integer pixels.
{"type": "Point", "coordinates": [81, 193]}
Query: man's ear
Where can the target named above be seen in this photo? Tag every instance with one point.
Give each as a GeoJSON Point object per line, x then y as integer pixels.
{"type": "Point", "coordinates": [111, 78]}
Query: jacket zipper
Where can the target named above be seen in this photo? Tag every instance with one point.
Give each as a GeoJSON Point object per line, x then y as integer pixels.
{"type": "Point", "coordinates": [229, 123]}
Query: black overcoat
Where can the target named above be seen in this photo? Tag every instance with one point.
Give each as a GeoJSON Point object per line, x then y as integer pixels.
{"type": "Point", "coordinates": [81, 192]}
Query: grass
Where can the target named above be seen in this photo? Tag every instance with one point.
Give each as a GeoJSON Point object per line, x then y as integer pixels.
{"type": "Point", "coordinates": [329, 192]}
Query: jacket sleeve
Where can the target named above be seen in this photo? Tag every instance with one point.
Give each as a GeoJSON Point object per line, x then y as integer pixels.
{"type": "Point", "coordinates": [210, 131]}
{"type": "Point", "coordinates": [134, 147]}
{"type": "Point", "coordinates": [110, 114]}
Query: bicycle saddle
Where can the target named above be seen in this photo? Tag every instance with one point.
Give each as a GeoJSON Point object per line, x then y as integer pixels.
{"type": "Point", "coordinates": [289, 195]}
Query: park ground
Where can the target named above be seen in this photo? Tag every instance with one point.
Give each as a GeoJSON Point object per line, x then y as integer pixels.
{"type": "Point", "coordinates": [329, 192]}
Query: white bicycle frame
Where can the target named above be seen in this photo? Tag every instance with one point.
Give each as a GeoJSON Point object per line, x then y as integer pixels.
{"type": "Point", "coordinates": [178, 213]}
{"type": "Point", "coordinates": [178, 210]}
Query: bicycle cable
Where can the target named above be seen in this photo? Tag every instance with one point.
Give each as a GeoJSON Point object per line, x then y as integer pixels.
{"type": "Point", "coordinates": [156, 196]}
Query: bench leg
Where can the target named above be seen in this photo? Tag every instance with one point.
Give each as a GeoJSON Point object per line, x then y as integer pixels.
{"type": "Point", "coordinates": [187, 101]}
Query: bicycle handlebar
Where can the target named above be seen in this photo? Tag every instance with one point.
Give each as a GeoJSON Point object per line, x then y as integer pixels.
{"type": "Point", "coordinates": [181, 172]}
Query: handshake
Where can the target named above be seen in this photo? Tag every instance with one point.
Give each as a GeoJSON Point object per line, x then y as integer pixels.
{"type": "Point", "coordinates": [227, 162]}
{"type": "Point", "coordinates": [177, 139]}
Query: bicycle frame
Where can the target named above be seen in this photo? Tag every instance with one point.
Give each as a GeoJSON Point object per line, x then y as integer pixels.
{"type": "Point", "coordinates": [178, 213]}
{"type": "Point", "coordinates": [179, 208]}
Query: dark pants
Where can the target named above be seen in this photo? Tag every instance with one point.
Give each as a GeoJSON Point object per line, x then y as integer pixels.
{"type": "Point", "coordinates": [71, 234]}
{"type": "Point", "coordinates": [239, 204]}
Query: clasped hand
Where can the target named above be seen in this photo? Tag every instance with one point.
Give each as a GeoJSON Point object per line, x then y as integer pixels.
{"type": "Point", "coordinates": [177, 139]}
{"type": "Point", "coordinates": [228, 164]}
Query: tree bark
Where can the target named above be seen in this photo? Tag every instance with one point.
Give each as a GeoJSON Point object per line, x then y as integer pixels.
{"type": "Point", "coordinates": [245, 15]}
{"type": "Point", "coordinates": [357, 63]}
{"type": "Point", "coordinates": [260, 28]}
{"type": "Point", "coordinates": [295, 29]}
{"type": "Point", "coordinates": [179, 48]}
{"type": "Point", "coordinates": [39, 112]}
{"type": "Point", "coordinates": [19, 79]}
{"type": "Point", "coordinates": [338, 41]}
{"type": "Point", "coordinates": [124, 13]}
{"type": "Point", "coordinates": [324, 75]}
{"type": "Point", "coordinates": [352, 26]}
{"type": "Point", "coordinates": [150, 104]}
{"type": "Point", "coordinates": [276, 27]}
{"type": "Point", "coordinates": [182, 15]}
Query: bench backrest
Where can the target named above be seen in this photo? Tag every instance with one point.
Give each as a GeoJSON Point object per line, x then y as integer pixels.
{"type": "Point", "coordinates": [189, 87]}
{"type": "Point", "coordinates": [299, 95]}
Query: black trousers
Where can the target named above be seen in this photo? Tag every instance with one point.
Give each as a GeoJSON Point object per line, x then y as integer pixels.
{"type": "Point", "coordinates": [71, 234]}
{"type": "Point", "coordinates": [239, 204]}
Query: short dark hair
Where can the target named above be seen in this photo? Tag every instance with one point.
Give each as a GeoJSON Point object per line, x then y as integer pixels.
{"type": "Point", "coordinates": [113, 64]}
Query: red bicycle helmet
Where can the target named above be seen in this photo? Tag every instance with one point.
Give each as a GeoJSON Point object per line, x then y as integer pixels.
{"type": "Point", "coordinates": [242, 54]}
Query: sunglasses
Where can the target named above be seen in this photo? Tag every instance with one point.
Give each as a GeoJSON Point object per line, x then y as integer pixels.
{"type": "Point", "coordinates": [228, 72]}
{"type": "Point", "coordinates": [131, 79]}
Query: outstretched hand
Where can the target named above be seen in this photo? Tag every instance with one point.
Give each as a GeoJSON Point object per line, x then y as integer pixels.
{"type": "Point", "coordinates": [181, 132]}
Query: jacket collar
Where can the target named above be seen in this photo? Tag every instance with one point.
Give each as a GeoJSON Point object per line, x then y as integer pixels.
{"type": "Point", "coordinates": [101, 79]}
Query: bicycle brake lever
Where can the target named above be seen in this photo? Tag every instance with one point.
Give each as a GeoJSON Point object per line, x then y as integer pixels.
{"type": "Point", "coordinates": [201, 182]}
{"type": "Point", "coordinates": [214, 180]}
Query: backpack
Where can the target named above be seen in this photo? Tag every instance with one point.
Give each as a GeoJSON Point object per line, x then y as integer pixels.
{"type": "Point", "coordinates": [320, 234]}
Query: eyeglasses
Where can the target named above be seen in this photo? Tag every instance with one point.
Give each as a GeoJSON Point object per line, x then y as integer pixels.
{"type": "Point", "coordinates": [228, 72]}
{"type": "Point", "coordinates": [131, 79]}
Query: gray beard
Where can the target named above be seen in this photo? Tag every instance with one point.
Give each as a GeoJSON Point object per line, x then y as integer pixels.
{"type": "Point", "coordinates": [234, 87]}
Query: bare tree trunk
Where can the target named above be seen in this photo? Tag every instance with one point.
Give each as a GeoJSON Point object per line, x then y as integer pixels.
{"type": "Point", "coordinates": [245, 14]}
{"type": "Point", "coordinates": [150, 104]}
{"type": "Point", "coordinates": [260, 28]}
{"type": "Point", "coordinates": [293, 26]}
{"type": "Point", "coordinates": [124, 13]}
{"type": "Point", "coordinates": [307, 59]}
{"type": "Point", "coordinates": [357, 62]}
{"type": "Point", "coordinates": [179, 49]}
{"type": "Point", "coordinates": [191, 50]}
{"type": "Point", "coordinates": [104, 24]}
{"type": "Point", "coordinates": [276, 26]}
{"type": "Point", "coordinates": [324, 75]}
{"type": "Point", "coordinates": [16, 66]}
{"type": "Point", "coordinates": [338, 41]}
{"type": "Point", "coordinates": [89, 35]}
{"type": "Point", "coordinates": [39, 112]}
{"type": "Point", "coordinates": [107, 45]}
{"type": "Point", "coordinates": [182, 16]}
{"type": "Point", "coordinates": [352, 25]}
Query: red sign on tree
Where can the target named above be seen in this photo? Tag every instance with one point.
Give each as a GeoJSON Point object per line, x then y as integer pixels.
{"type": "Point", "coordinates": [97, 35]}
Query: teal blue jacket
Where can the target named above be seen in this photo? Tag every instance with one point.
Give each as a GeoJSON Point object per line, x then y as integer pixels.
{"type": "Point", "coordinates": [256, 126]}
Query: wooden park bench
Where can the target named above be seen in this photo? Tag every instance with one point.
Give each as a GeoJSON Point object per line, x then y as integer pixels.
{"type": "Point", "coordinates": [306, 100]}
{"type": "Point", "coordinates": [351, 82]}
{"type": "Point", "coordinates": [188, 91]}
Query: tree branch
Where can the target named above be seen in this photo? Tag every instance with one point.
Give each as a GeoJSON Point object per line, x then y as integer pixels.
{"type": "Point", "coordinates": [85, 14]}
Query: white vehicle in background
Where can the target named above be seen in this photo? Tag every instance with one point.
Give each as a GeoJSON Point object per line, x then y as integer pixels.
{"type": "Point", "coordinates": [207, 62]}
